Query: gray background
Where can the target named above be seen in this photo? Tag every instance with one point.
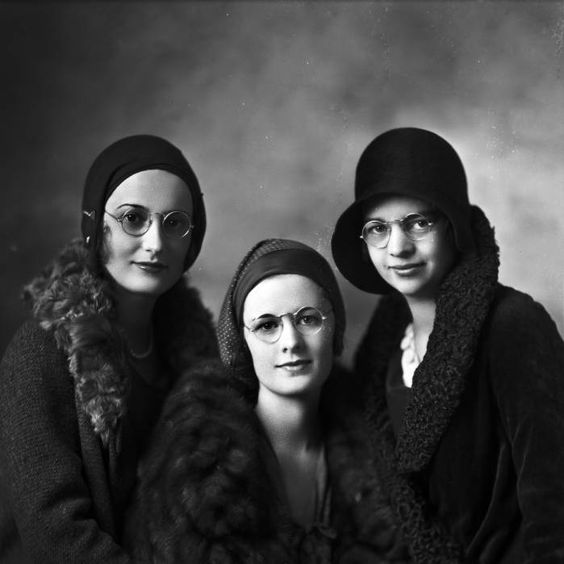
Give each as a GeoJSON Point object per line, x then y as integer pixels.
{"type": "Point", "coordinates": [272, 103]}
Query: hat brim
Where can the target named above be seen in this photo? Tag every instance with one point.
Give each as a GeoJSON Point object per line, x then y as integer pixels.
{"type": "Point", "coordinates": [347, 247]}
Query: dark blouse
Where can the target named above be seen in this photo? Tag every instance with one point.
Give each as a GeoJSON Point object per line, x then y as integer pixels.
{"type": "Point", "coordinates": [144, 407]}
{"type": "Point", "coordinates": [397, 393]}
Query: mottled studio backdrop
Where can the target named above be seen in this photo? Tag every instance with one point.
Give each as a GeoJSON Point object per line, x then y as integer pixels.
{"type": "Point", "coordinates": [272, 102]}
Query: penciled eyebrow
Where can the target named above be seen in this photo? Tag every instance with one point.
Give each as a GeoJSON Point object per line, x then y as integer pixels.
{"type": "Point", "coordinates": [140, 207]}
{"type": "Point", "coordinates": [425, 212]}
{"type": "Point", "coordinates": [267, 315]}
{"type": "Point", "coordinates": [132, 206]}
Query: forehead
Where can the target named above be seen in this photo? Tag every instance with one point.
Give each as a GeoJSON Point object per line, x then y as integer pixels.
{"type": "Point", "coordinates": [392, 207]}
{"type": "Point", "coordinates": [283, 293]}
{"type": "Point", "coordinates": [155, 189]}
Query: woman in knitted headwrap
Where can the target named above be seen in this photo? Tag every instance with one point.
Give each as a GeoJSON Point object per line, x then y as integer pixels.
{"type": "Point", "coordinates": [463, 376]}
{"type": "Point", "coordinates": [82, 383]}
{"type": "Point", "coordinates": [263, 459]}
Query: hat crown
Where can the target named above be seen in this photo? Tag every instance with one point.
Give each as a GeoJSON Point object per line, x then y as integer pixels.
{"type": "Point", "coordinates": [412, 162]}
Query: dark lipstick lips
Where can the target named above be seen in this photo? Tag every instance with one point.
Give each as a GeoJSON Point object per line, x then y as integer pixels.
{"type": "Point", "coordinates": [295, 363]}
{"type": "Point", "coordinates": [151, 265]}
{"type": "Point", "coordinates": [401, 267]}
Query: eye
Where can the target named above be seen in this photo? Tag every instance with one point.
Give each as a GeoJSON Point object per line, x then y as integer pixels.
{"type": "Point", "coordinates": [418, 224]}
{"type": "Point", "coordinates": [173, 220]}
{"type": "Point", "coordinates": [309, 317]}
{"type": "Point", "coordinates": [134, 218]}
{"type": "Point", "coordinates": [177, 223]}
{"type": "Point", "coordinates": [265, 326]}
{"type": "Point", "coordinates": [375, 228]}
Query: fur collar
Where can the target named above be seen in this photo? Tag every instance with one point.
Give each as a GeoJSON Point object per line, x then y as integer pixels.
{"type": "Point", "coordinates": [73, 303]}
{"type": "Point", "coordinates": [205, 491]}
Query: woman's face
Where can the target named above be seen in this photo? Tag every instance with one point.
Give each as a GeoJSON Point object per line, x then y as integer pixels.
{"type": "Point", "coordinates": [296, 364]}
{"type": "Point", "coordinates": [414, 268]}
{"type": "Point", "coordinates": [151, 263]}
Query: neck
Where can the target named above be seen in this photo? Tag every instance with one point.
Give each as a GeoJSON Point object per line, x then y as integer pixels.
{"type": "Point", "coordinates": [291, 423]}
{"type": "Point", "coordinates": [423, 314]}
{"type": "Point", "coordinates": [134, 312]}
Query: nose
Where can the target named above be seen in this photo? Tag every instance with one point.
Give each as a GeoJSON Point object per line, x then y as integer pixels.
{"type": "Point", "coordinates": [291, 338]}
{"type": "Point", "coordinates": [399, 243]}
{"type": "Point", "coordinates": [154, 237]}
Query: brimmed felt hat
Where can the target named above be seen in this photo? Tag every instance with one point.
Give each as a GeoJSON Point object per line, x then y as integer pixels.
{"type": "Point", "coordinates": [119, 161]}
{"type": "Point", "coordinates": [410, 162]}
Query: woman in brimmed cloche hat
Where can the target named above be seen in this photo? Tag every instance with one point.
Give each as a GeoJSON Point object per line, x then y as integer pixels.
{"type": "Point", "coordinates": [82, 383]}
{"type": "Point", "coordinates": [463, 376]}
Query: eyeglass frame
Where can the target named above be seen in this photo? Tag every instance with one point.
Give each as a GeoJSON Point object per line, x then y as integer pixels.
{"type": "Point", "coordinates": [324, 317]}
{"type": "Point", "coordinates": [163, 216]}
{"type": "Point", "coordinates": [432, 218]}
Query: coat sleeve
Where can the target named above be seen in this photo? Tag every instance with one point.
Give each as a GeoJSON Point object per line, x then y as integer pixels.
{"type": "Point", "coordinates": [526, 360]}
{"type": "Point", "coordinates": [41, 463]}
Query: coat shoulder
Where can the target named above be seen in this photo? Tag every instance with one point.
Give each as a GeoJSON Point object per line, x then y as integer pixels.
{"type": "Point", "coordinates": [519, 323]}
{"type": "Point", "coordinates": [512, 305]}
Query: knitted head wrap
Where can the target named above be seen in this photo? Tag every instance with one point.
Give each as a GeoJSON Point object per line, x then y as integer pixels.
{"type": "Point", "coordinates": [119, 161]}
{"type": "Point", "coordinates": [406, 161]}
{"type": "Point", "coordinates": [269, 258]}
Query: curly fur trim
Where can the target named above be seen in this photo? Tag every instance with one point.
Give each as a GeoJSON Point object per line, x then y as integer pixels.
{"type": "Point", "coordinates": [203, 489]}
{"type": "Point", "coordinates": [73, 303]}
{"type": "Point", "coordinates": [439, 382]}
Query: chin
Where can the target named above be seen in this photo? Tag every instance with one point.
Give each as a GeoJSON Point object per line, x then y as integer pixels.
{"type": "Point", "coordinates": [416, 290]}
{"type": "Point", "coordinates": [298, 386]}
{"type": "Point", "coordinates": [142, 288]}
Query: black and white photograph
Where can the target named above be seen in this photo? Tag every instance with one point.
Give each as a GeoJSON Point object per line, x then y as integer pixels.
{"type": "Point", "coordinates": [282, 282]}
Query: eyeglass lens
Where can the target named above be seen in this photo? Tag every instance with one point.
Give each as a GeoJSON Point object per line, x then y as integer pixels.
{"type": "Point", "coordinates": [268, 328]}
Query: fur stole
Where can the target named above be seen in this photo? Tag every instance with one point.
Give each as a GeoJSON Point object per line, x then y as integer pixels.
{"type": "Point", "coordinates": [463, 304]}
{"type": "Point", "coordinates": [205, 494]}
{"type": "Point", "coordinates": [75, 304]}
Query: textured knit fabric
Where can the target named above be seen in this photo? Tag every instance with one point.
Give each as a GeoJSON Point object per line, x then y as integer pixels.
{"type": "Point", "coordinates": [66, 458]}
{"type": "Point", "coordinates": [233, 349]}
{"type": "Point", "coordinates": [207, 494]}
{"type": "Point", "coordinates": [481, 437]}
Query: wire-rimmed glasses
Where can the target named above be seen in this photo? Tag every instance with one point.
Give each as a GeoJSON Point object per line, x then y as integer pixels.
{"type": "Point", "coordinates": [416, 226]}
{"type": "Point", "coordinates": [268, 328]}
{"type": "Point", "coordinates": [136, 222]}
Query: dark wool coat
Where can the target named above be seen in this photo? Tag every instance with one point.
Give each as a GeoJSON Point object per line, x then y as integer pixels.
{"type": "Point", "coordinates": [206, 496]}
{"type": "Point", "coordinates": [64, 384]}
{"type": "Point", "coordinates": [482, 437]}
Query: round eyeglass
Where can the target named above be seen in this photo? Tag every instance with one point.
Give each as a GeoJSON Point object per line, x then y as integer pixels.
{"type": "Point", "coordinates": [268, 328]}
{"type": "Point", "coordinates": [175, 224]}
{"type": "Point", "coordinates": [416, 226]}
